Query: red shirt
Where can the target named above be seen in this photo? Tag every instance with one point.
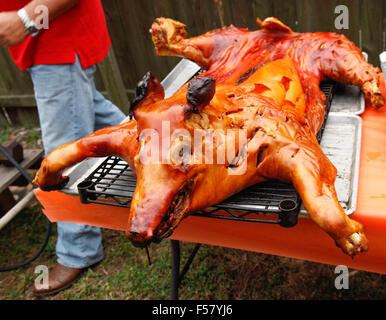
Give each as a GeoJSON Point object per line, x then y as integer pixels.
{"type": "Point", "coordinates": [81, 30]}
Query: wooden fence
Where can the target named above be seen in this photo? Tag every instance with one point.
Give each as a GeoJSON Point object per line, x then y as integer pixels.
{"type": "Point", "coordinates": [132, 53]}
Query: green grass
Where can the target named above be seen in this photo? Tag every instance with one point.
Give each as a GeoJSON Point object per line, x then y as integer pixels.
{"type": "Point", "coordinates": [29, 136]}
{"type": "Point", "coordinates": [216, 272]}
{"type": "Point", "coordinates": [33, 135]}
{"type": "Point", "coordinates": [4, 135]}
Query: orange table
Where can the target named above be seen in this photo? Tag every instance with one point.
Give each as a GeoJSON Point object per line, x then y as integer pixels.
{"type": "Point", "coordinates": [304, 241]}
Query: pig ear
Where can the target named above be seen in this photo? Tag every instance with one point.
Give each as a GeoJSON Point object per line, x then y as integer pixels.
{"type": "Point", "coordinates": [273, 24]}
{"type": "Point", "coordinates": [148, 90]}
{"type": "Point", "coordinates": [200, 92]}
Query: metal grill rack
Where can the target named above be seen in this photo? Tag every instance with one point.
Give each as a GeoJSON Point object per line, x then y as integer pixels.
{"type": "Point", "coordinates": [113, 183]}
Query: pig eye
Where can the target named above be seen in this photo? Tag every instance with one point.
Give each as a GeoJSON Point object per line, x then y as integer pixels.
{"type": "Point", "coordinates": [182, 151]}
{"type": "Point", "coordinates": [180, 155]}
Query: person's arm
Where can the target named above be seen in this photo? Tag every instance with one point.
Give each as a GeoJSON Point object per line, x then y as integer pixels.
{"type": "Point", "coordinates": [12, 28]}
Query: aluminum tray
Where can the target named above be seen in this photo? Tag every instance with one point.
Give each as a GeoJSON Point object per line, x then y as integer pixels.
{"type": "Point", "coordinates": [348, 99]}
{"type": "Point", "coordinates": [341, 142]}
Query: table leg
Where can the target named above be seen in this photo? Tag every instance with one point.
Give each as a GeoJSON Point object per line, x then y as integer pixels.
{"type": "Point", "coordinates": [176, 257]}
{"type": "Point", "coordinates": [177, 276]}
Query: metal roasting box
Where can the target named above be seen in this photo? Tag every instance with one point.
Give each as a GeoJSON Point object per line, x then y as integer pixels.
{"type": "Point", "coordinates": [98, 180]}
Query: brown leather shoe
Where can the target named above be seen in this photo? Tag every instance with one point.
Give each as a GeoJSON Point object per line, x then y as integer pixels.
{"type": "Point", "coordinates": [60, 278]}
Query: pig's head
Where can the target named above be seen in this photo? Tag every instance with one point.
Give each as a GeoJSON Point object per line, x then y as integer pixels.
{"type": "Point", "coordinates": [166, 171]}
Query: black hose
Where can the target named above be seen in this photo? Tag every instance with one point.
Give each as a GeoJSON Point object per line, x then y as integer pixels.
{"type": "Point", "coordinates": [42, 247]}
{"type": "Point", "coordinates": [49, 225]}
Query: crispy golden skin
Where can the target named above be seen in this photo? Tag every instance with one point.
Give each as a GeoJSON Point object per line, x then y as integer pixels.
{"type": "Point", "coordinates": [263, 83]}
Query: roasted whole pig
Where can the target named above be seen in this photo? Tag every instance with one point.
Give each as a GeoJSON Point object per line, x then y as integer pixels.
{"type": "Point", "coordinates": [263, 86]}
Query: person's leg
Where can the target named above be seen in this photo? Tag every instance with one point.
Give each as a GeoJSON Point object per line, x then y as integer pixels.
{"type": "Point", "coordinates": [78, 246]}
{"type": "Point", "coordinates": [106, 113]}
{"type": "Point", "coordinates": [65, 99]}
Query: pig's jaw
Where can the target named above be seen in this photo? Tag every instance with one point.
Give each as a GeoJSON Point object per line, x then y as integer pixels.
{"type": "Point", "coordinates": [177, 210]}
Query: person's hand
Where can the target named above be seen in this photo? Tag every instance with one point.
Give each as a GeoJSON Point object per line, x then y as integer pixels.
{"type": "Point", "coordinates": [11, 29]}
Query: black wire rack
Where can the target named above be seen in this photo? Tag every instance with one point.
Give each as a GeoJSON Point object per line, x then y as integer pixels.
{"type": "Point", "coordinates": [113, 183]}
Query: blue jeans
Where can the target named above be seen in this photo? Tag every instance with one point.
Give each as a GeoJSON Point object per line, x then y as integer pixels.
{"type": "Point", "coordinates": [70, 108]}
